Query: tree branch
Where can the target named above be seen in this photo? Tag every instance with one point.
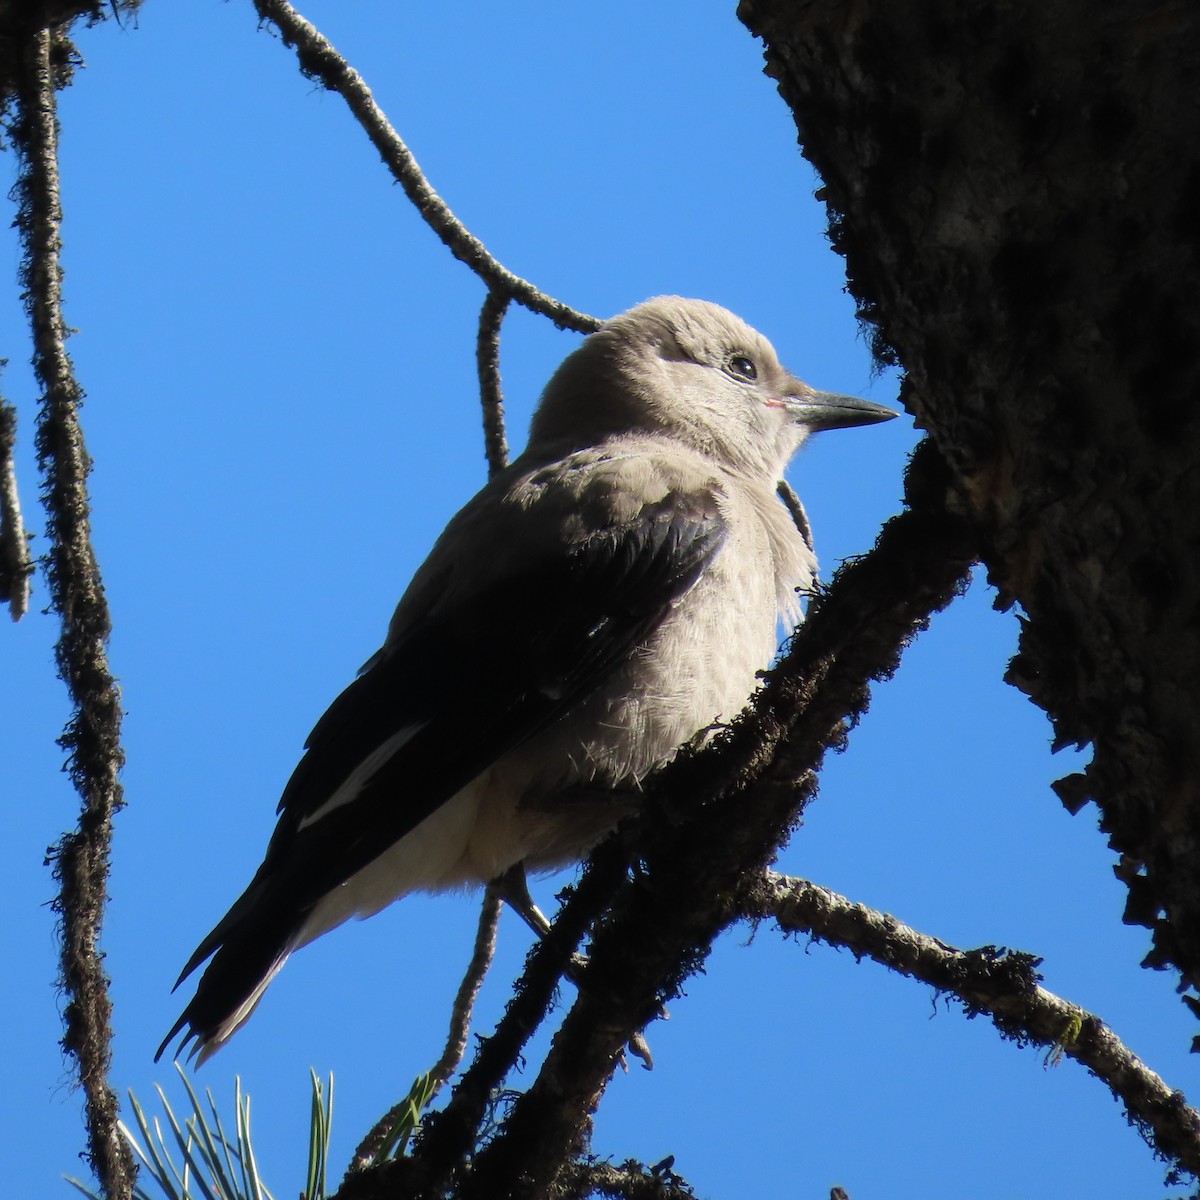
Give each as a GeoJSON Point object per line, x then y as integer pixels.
{"type": "Point", "coordinates": [376, 1139]}
{"type": "Point", "coordinates": [630, 1181]}
{"type": "Point", "coordinates": [92, 737]}
{"type": "Point", "coordinates": [487, 359]}
{"type": "Point", "coordinates": [320, 61]}
{"type": "Point", "coordinates": [1002, 984]}
{"type": "Point", "coordinates": [449, 1137]}
{"type": "Point", "coordinates": [795, 507]}
{"type": "Point", "coordinates": [464, 1001]}
{"type": "Point", "coordinates": [15, 565]}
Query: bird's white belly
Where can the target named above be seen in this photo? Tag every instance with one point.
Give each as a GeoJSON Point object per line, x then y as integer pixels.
{"type": "Point", "coordinates": [548, 804]}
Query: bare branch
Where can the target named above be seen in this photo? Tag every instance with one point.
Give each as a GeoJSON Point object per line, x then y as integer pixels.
{"type": "Point", "coordinates": [464, 1001]}
{"type": "Point", "coordinates": [795, 507]}
{"type": "Point", "coordinates": [449, 1137]}
{"type": "Point", "coordinates": [487, 358]}
{"type": "Point", "coordinates": [320, 61]}
{"type": "Point", "coordinates": [15, 565]}
{"type": "Point", "coordinates": [92, 738]}
{"type": "Point", "coordinates": [1001, 984]}
{"type": "Point", "coordinates": [460, 1023]}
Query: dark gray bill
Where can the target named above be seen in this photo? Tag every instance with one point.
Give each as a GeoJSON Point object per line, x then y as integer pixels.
{"type": "Point", "coordinates": [828, 410]}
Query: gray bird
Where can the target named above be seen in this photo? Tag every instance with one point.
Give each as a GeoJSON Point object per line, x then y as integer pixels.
{"type": "Point", "coordinates": [600, 603]}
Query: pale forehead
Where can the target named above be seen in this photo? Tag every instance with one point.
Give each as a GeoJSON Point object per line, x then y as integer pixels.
{"type": "Point", "coordinates": [700, 325]}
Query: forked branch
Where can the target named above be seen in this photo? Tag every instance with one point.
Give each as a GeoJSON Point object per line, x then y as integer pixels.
{"type": "Point", "coordinates": [320, 60]}
{"type": "Point", "coordinates": [1002, 984]}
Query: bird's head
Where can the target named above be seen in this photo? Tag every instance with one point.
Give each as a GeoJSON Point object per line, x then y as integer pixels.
{"type": "Point", "coordinates": [697, 373]}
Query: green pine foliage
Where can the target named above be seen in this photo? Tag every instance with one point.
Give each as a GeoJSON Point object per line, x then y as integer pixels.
{"type": "Point", "coordinates": [212, 1165]}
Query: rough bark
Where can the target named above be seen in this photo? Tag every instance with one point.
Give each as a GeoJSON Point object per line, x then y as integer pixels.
{"type": "Point", "coordinates": [40, 62]}
{"type": "Point", "coordinates": [20, 20]}
{"type": "Point", "coordinates": [1016, 189]}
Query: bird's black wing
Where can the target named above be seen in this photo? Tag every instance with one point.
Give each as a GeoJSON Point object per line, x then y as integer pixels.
{"type": "Point", "coordinates": [457, 690]}
{"type": "Point", "coordinates": [468, 687]}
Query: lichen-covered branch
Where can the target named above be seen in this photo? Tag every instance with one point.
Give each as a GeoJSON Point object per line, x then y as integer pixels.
{"type": "Point", "coordinates": [449, 1137]}
{"type": "Point", "coordinates": [20, 18]}
{"type": "Point", "coordinates": [629, 1181]}
{"type": "Point", "coordinates": [1002, 984]}
{"type": "Point", "coordinates": [464, 1000]}
{"type": "Point", "coordinates": [491, 397]}
{"type": "Point", "coordinates": [319, 60]}
{"type": "Point", "coordinates": [92, 737]}
{"type": "Point", "coordinates": [15, 565]}
{"type": "Point", "coordinates": [456, 1042]}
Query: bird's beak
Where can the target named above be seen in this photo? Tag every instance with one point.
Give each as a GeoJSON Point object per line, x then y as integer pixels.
{"type": "Point", "coordinates": [828, 410]}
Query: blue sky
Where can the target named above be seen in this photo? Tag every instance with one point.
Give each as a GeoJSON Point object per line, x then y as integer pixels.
{"type": "Point", "coordinates": [279, 362]}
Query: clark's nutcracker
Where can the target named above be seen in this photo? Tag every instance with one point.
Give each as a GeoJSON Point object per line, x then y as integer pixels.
{"type": "Point", "coordinates": [600, 603]}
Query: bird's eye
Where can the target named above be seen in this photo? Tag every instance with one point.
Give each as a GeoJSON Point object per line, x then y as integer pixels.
{"type": "Point", "coordinates": [741, 367]}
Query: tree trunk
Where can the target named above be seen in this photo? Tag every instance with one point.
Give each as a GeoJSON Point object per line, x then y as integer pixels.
{"type": "Point", "coordinates": [1016, 189]}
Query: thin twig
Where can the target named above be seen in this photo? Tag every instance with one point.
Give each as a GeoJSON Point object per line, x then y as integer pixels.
{"type": "Point", "coordinates": [1001, 984]}
{"type": "Point", "coordinates": [487, 359]}
{"type": "Point", "coordinates": [448, 1137]}
{"type": "Point", "coordinates": [795, 507]}
{"type": "Point", "coordinates": [319, 60]}
{"type": "Point", "coordinates": [15, 565]}
{"type": "Point", "coordinates": [468, 990]}
{"type": "Point", "coordinates": [456, 1043]}
{"type": "Point", "coordinates": [92, 738]}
